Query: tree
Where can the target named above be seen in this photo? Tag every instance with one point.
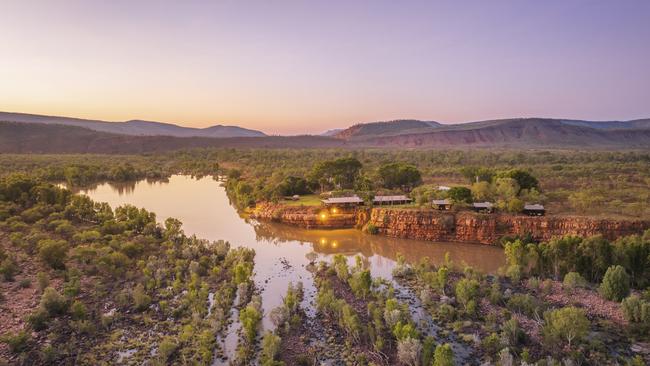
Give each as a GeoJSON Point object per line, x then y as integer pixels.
{"type": "Point", "coordinates": [466, 292]}
{"type": "Point", "coordinates": [293, 185]}
{"type": "Point", "coordinates": [399, 175]}
{"type": "Point", "coordinates": [524, 179]}
{"type": "Point", "coordinates": [482, 191]}
{"type": "Point", "coordinates": [616, 284]}
{"type": "Point", "coordinates": [444, 355]}
{"type": "Point", "coordinates": [340, 173]}
{"type": "Point", "coordinates": [568, 324]}
{"type": "Point", "coordinates": [460, 195]}
{"type": "Point", "coordinates": [408, 351]}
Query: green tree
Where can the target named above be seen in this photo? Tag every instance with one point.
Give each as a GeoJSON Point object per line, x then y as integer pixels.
{"type": "Point", "coordinates": [460, 195]}
{"type": "Point", "coordinates": [444, 355]}
{"type": "Point", "coordinates": [568, 324]}
{"type": "Point", "coordinates": [399, 175]}
{"type": "Point", "coordinates": [523, 178]}
{"type": "Point", "coordinates": [616, 284]}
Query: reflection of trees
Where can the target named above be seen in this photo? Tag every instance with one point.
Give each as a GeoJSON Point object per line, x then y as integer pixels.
{"type": "Point", "coordinates": [350, 241]}
{"type": "Point", "coordinates": [123, 188]}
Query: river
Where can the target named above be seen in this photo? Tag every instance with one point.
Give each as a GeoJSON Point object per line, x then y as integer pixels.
{"type": "Point", "coordinates": [205, 210]}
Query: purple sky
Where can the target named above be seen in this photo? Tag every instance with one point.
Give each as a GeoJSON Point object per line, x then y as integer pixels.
{"type": "Point", "coordinates": [303, 66]}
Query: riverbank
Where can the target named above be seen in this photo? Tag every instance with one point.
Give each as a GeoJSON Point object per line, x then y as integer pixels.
{"type": "Point", "coordinates": [461, 226]}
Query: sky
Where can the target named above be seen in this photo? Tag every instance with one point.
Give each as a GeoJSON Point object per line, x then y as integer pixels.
{"type": "Point", "coordinates": [289, 67]}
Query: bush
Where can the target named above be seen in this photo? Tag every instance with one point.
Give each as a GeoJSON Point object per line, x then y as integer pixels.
{"type": "Point", "coordinates": [270, 347]}
{"type": "Point", "coordinates": [372, 229]}
{"type": "Point", "coordinates": [166, 348]}
{"type": "Point", "coordinates": [512, 333]}
{"type": "Point", "coordinates": [78, 310]}
{"type": "Point", "coordinates": [53, 302]}
{"type": "Point", "coordinates": [523, 303]}
{"type": "Point", "coordinates": [573, 280]}
{"type": "Point", "coordinates": [8, 269]}
{"type": "Point", "coordinates": [467, 292]}
{"type": "Point", "coordinates": [18, 342]}
{"type": "Point", "coordinates": [636, 310]}
{"type": "Point", "coordinates": [568, 324]}
{"type": "Point", "coordinates": [616, 284]}
{"type": "Point", "coordinates": [408, 351]}
{"type": "Point", "coordinates": [444, 355]}
{"type": "Point", "coordinates": [141, 300]}
{"type": "Point", "coordinates": [53, 252]}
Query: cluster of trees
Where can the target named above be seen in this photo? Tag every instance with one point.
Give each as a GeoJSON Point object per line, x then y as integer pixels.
{"type": "Point", "coordinates": [599, 183]}
{"type": "Point", "coordinates": [161, 274]}
{"type": "Point", "coordinates": [590, 257]}
{"type": "Point", "coordinates": [388, 327]}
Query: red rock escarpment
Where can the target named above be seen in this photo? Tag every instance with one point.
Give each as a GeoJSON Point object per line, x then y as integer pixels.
{"type": "Point", "coordinates": [304, 216]}
{"type": "Point", "coordinates": [461, 226]}
{"type": "Point", "coordinates": [488, 228]}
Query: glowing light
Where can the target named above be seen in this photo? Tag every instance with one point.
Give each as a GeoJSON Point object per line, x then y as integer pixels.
{"type": "Point", "coordinates": [323, 216]}
{"type": "Point", "coordinates": [334, 210]}
{"type": "Point", "coordinates": [335, 244]}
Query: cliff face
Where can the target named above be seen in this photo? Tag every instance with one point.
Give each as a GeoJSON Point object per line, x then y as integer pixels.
{"type": "Point", "coordinates": [488, 228]}
{"type": "Point", "coordinates": [308, 217]}
{"type": "Point", "coordinates": [433, 225]}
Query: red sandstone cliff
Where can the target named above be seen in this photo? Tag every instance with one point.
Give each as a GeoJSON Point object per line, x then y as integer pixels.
{"type": "Point", "coordinates": [433, 225]}
{"type": "Point", "coordinates": [488, 228]}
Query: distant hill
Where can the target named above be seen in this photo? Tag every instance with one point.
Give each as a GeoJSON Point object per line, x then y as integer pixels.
{"type": "Point", "coordinates": [384, 130]}
{"type": "Point", "coordinates": [375, 129]}
{"type": "Point", "coordinates": [38, 138]}
{"type": "Point", "coordinates": [520, 133]}
{"type": "Point", "coordinates": [134, 127]}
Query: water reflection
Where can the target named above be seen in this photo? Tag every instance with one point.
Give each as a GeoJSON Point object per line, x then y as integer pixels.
{"type": "Point", "coordinates": [351, 242]}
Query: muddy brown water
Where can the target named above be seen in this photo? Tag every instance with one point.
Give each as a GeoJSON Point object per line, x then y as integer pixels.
{"type": "Point", "coordinates": [205, 210]}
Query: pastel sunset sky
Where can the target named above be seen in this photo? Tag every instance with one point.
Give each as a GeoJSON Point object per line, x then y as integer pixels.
{"type": "Point", "coordinates": [306, 66]}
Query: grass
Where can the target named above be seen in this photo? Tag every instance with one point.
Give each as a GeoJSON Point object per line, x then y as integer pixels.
{"type": "Point", "coordinates": [306, 200]}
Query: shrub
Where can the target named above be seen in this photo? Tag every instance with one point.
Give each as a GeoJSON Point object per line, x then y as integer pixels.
{"type": "Point", "coordinates": [25, 283]}
{"type": "Point", "coordinates": [8, 269]}
{"type": "Point", "coordinates": [616, 284]}
{"type": "Point", "coordinates": [512, 333]}
{"type": "Point", "coordinates": [466, 292]}
{"type": "Point", "coordinates": [250, 318]}
{"type": "Point", "coordinates": [141, 300]}
{"type": "Point", "coordinates": [428, 349]}
{"type": "Point", "coordinates": [491, 344]}
{"type": "Point", "coordinates": [38, 319]}
{"type": "Point", "coordinates": [568, 324]}
{"type": "Point", "coordinates": [408, 351]}
{"type": "Point", "coordinates": [270, 347]}
{"type": "Point", "coordinates": [372, 229]}
{"type": "Point", "coordinates": [18, 342]}
{"type": "Point", "coordinates": [444, 355]}
{"type": "Point", "coordinates": [523, 303]}
{"type": "Point", "coordinates": [53, 302]}
{"type": "Point", "coordinates": [636, 310]}
{"type": "Point", "coordinates": [166, 348]}
{"type": "Point", "coordinates": [53, 252]}
{"type": "Point", "coordinates": [573, 280]}
{"type": "Point", "coordinates": [78, 310]}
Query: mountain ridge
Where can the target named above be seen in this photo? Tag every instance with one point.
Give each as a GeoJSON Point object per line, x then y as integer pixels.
{"type": "Point", "coordinates": [134, 127]}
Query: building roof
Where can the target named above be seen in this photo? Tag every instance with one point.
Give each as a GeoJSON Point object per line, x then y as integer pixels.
{"type": "Point", "coordinates": [390, 198]}
{"type": "Point", "coordinates": [443, 188]}
{"type": "Point", "coordinates": [535, 207]}
{"type": "Point", "coordinates": [334, 200]}
{"type": "Point", "coordinates": [487, 205]}
{"type": "Point", "coordinates": [441, 202]}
